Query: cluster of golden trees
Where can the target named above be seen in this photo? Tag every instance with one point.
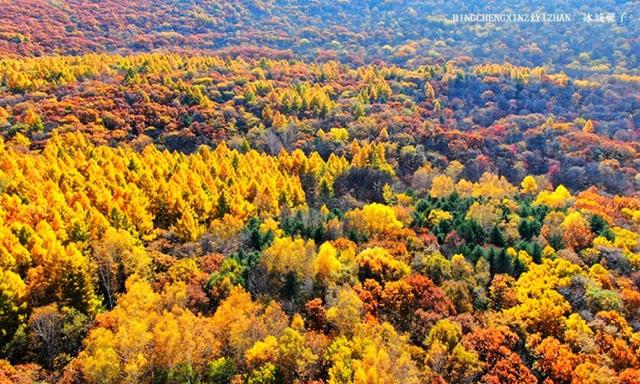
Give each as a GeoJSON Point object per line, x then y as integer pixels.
{"type": "Point", "coordinates": [498, 283]}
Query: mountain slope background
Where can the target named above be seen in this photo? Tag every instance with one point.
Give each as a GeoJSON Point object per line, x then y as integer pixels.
{"type": "Point", "coordinates": [401, 32]}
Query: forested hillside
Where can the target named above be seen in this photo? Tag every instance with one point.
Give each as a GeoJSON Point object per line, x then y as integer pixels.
{"type": "Point", "coordinates": [353, 31]}
{"type": "Point", "coordinates": [309, 192]}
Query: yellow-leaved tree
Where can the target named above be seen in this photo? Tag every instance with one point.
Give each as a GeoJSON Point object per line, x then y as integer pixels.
{"type": "Point", "coordinates": [373, 220]}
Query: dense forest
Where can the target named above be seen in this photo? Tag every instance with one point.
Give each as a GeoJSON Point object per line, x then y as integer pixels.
{"type": "Point", "coordinates": [366, 192]}
{"type": "Point", "coordinates": [355, 31]}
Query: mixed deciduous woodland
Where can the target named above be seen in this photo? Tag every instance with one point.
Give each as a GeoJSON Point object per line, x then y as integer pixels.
{"type": "Point", "coordinates": [340, 192]}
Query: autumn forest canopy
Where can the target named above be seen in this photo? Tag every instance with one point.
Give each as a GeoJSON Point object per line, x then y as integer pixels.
{"type": "Point", "coordinates": [344, 192]}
